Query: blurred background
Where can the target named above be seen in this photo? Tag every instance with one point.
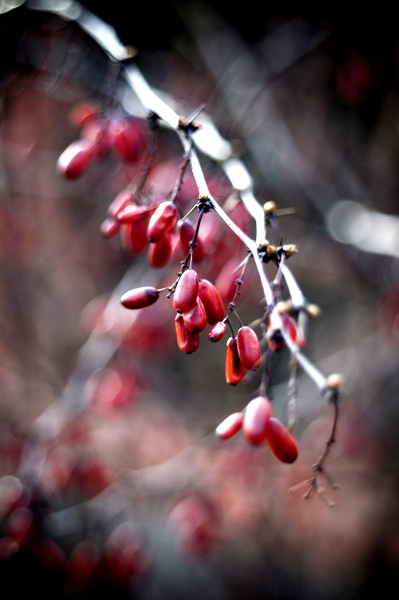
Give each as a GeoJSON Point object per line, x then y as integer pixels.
{"type": "Point", "coordinates": [112, 480]}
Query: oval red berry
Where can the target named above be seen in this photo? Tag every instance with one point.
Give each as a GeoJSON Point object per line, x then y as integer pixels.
{"type": "Point", "coordinates": [186, 292]}
{"type": "Point", "coordinates": [256, 418]}
{"type": "Point", "coordinates": [230, 426]}
{"type": "Point", "coordinates": [162, 221]}
{"type": "Point", "coordinates": [249, 348]}
{"type": "Point", "coordinates": [212, 301]}
{"type": "Point", "coordinates": [281, 442]}
{"type": "Point", "coordinates": [234, 369]}
{"type": "Point", "coordinates": [140, 297]}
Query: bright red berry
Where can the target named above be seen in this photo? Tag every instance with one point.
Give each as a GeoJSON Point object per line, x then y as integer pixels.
{"type": "Point", "coordinates": [187, 342]}
{"type": "Point", "coordinates": [249, 348]}
{"type": "Point", "coordinates": [212, 301]}
{"type": "Point", "coordinates": [159, 252]}
{"type": "Point", "coordinates": [186, 292]}
{"type": "Point", "coordinates": [256, 418]}
{"type": "Point", "coordinates": [281, 442]}
{"type": "Point", "coordinates": [95, 132]}
{"type": "Point", "coordinates": [186, 236]}
{"type": "Point", "coordinates": [217, 331]}
{"type": "Point", "coordinates": [134, 212]}
{"type": "Point", "coordinates": [195, 319]}
{"type": "Point", "coordinates": [234, 369]}
{"type": "Point", "coordinates": [75, 160]}
{"type": "Point", "coordinates": [128, 137]}
{"type": "Point", "coordinates": [162, 220]}
{"type": "Point", "coordinates": [226, 280]}
{"type": "Point", "coordinates": [230, 426]}
{"type": "Point", "coordinates": [140, 297]}
{"type": "Point", "coordinates": [134, 236]}
{"type": "Point", "coordinates": [109, 227]}
{"type": "Point", "coordinates": [83, 112]}
{"type": "Point", "coordinates": [121, 200]}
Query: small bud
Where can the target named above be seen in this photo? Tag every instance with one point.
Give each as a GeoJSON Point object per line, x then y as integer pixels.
{"type": "Point", "coordinates": [284, 306]}
{"type": "Point", "coordinates": [289, 249]}
{"type": "Point", "coordinates": [313, 311]}
{"type": "Point", "coordinates": [334, 382]}
{"type": "Point", "coordinates": [269, 207]}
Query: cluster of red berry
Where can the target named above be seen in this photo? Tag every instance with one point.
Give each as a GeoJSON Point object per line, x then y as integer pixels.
{"type": "Point", "coordinates": [259, 425]}
{"type": "Point", "coordinates": [100, 134]}
{"type": "Point", "coordinates": [89, 567]}
{"type": "Point", "coordinates": [159, 228]}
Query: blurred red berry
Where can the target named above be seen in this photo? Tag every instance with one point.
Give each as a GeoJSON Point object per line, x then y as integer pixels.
{"type": "Point", "coordinates": [256, 417]}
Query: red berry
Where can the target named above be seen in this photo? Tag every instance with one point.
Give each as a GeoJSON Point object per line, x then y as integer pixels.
{"type": "Point", "coordinates": [226, 280]}
{"type": "Point", "coordinates": [159, 252]}
{"type": "Point", "coordinates": [162, 221]}
{"type": "Point", "coordinates": [186, 292]}
{"type": "Point", "coordinates": [134, 212]}
{"type": "Point", "coordinates": [186, 236]}
{"type": "Point", "coordinates": [134, 236]}
{"type": "Point", "coordinates": [128, 136]}
{"type": "Point", "coordinates": [212, 301]}
{"type": "Point", "coordinates": [274, 336]}
{"type": "Point", "coordinates": [121, 200]}
{"type": "Point", "coordinates": [140, 297]}
{"type": "Point", "coordinates": [234, 369]}
{"type": "Point", "coordinates": [109, 227]}
{"type": "Point", "coordinates": [195, 319]}
{"type": "Point", "coordinates": [83, 112]}
{"type": "Point", "coordinates": [230, 426]}
{"type": "Point", "coordinates": [256, 418]}
{"type": "Point", "coordinates": [281, 442]}
{"type": "Point", "coordinates": [187, 342]}
{"type": "Point", "coordinates": [217, 331]}
{"type": "Point", "coordinates": [249, 348]}
{"type": "Point", "coordinates": [75, 160]}
{"type": "Point", "coordinates": [95, 133]}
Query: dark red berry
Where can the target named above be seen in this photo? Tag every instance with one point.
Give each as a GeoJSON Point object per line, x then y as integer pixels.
{"type": "Point", "coordinates": [140, 297]}
{"type": "Point", "coordinates": [281, 442]}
